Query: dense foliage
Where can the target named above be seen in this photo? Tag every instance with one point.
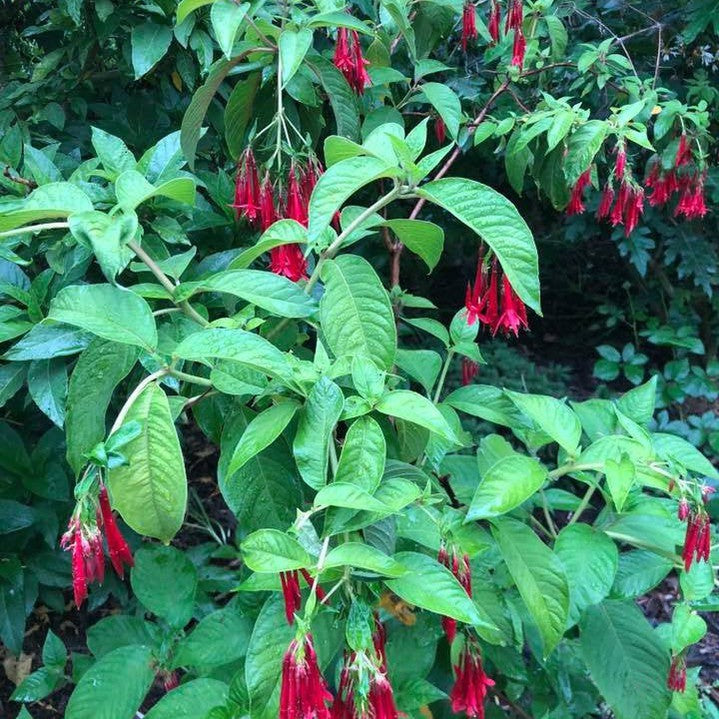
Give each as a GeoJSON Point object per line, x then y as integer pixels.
{"type": "Point", "coordinates": [218, 219]}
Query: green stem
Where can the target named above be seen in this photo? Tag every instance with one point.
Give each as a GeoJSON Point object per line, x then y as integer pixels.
{"type": "Point", "coordinates": [185, 377]}
{"type": "Point", "coordinates": [548, 516]}
{"type": "Point", "coordinates": [569, 468]}
{"type": "Point", "coordinates": [443, 377]}
{"type": "Point", "coordinates": [133, 397]}
{"type": "Point", "coordinates": [35, 228]}
{"type": "Point", "coordinates": [332, 250]}
{"type": "Point", "coordinates": [165, 281]}
{"type": "Point", "coordinates": [583, 504]}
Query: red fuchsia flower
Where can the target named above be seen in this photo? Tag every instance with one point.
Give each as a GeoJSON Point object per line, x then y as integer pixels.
{"type": "Point", "coordinates": [493, 20]}
{"type": "Point", "coordinates": [291, 594]}
{"type": "Point", "coordinates": [663, 186]}
{"type": "Point", "coordinates": [462, 572]}
{"type": "Point", "coordinates": [697, 540]}
{"type": "Point", "coordinates": [469, 25]}
{"type": "Point", "coordinates": [440, 130]}
{"type": "Point", "coordinates": [361, 78]}
{"type": "Point", "coordinates": [576, 202]}
{"type": "Point", "coordinates": [268, 211]}
{"type": "Point", "coordinates": [684, 152]}
{"type": "Point", "coordinates": [620, 163]}
{"type": "Point", "coordinates": [707, 492]}
{"type": "Point", "coordinates": [605, 203]}
{"type": "Point", "coordinates": [470, 370]}
{"type": "Point", "coordinates": [470, 687]}
{"type": "Point", "coordinates": [476, 297]}
{"type": "Point", "coordinates": [296, 208]}
{"type": "Point", "coordinates": [513, 315]}
{"type": "Point", "coordinates": [677, 679]}
{"type": "Point", "coordinates": [683, 509]}
{"type": "Point", "coordinates": [633, 209]}
{"type": "Point", "coordinates": [117, 547]}
{"type": "Point", "coordinates": [247, 188]}
{"type": "Point", "coordinates": [303, 692]}
{"type": "Point", "coordinates": [321, 594]}
{"type": "Point", "coordinates": [519, 48]}
{"type": "Point", "coordinates": [617, 215]}
{"type": "Point", "coordinates": [343, 57]}
{"type": "Point", "coordinates": [691, 201]}
{"type": "Point", "coordinates": [349, 61]}
{"type": "Point", "coordinates": [515, 21]}
{"type": "Point", "coordinates": [288, 261]}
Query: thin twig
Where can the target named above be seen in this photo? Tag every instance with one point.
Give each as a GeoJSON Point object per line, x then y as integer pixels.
{"type": "Point", "coordinates": [19, 180]}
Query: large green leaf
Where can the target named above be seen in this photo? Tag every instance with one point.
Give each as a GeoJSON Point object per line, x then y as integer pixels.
{"type": "Point", "coordinates": [293, 46]}
{"type": "Point", "coordinates": [505, 485]}
{"type": "Point", "coordinates": [364, 556]}
{"type": "Point", "coordinates": [355, 311]}
{"type": "Point", "coordinates": [447, 104]}
{"type": "Point", "coordinates": [113, 687]}
{"type": "Point", "coordinates": [240, 346]}
{"type": "Point", "coordinates": [496, 220]}
{"type": "Point", "coordinates": [110, 312]}
{"type": "Point", "coordinates": [271, 292]}
{"type": "Point", "coordinates": [338, 184]}
{"type": "Point", "coordinates": [342, 98]}
{"type": "Point", "coordinates": [102, 366]}
{"type": "Point", "coordinates": [165, 581]}
{"type": "Point", "coordinates": [226, 17]}
{"type": "Point", "coordinates": [185, 7]}
{"type": "Point", "coordinates": [363, 455]}
{"type": "Point", "coordinates": [191, 700]}
{"type": "Point", "coordinates": [551, 416]}
{"type": "Point", "coordinates": [316, 424]}
{"type": "Point", "coordinates": [150, 492]}
{"type": "Point", "coordinates": [150, 42]}
{"type": "Point", "coordinates": [263, 665]}
{"type": "Point", "coordinates": [238, 110]}
{"type": "Point", "coordinates": [56, 199]}
{"type": "Point", "coordinates": [269, 550]}
{"type": "Point", "coordinates": [416, 408]}
{"type": "Point", "coordinates": [488, 403]}
{"type": "Point", "coordinates": [430, 585]}
{"type": "Point", "coordinates": [539, 576]}
{"type": "Point", "coordinates": [590, 560]}
{"type": "Point", "coordinates": [626, 659]}
{"type": "Point", "coordinates": [112, 153]}
{"type": "Point", "coordinates": [132, 189]}
{"type": "Point", "coordinates": [423, 238]}
{"type": "Point", "coordinates": [44, 341]}
{"type": "Point", "coordinates": [47, 385]}
{"type": "Point", "coordinates": [639, 571]}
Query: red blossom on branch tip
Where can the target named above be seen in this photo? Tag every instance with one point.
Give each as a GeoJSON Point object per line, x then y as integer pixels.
{"type": "Point", "coordinates": [268, 211]}
{"type": "Point", "coordinates": [697, 540]}
{"type": "Point", "coordinates": [303, 691]}
{"type": "Point", "coordinates": [683, 509]}
{"type": "Point", "coordinates": [469, 25]}
{"type": "Point", "coordinates": [684, 152]}
{"type": "Point", "coordinates": [348, 59]}
{"type": "Point", "coordinates": [513, 315]}
{"type": "Point", "coordinates": [440, 130]}
{"type": "Point", "coordinates": [677, 679]}
{"type": "Point", "coordinates": [291, 594]}
{"type": "Point", "coordinates": [296, 208]}
{"type": "Point", "coordinates": [469, 692]}
{"type": "Point", "coordinates": [519, 48]}
{"type": "Point", "coordinates": [515, 16]}
{"type": "Point", "coordinates": [247, 188]}
{"type": "Point", "coordinates": [691, 201]}
{"type": "Point", "coordinates": [576, 201]}
{"type": "Point", "coordinates": [470, 369]}
{"type": "Point", "coordinates": [620, 163]}
{"type": "Point", "coordinates": [605, 203]}
{"type": "Point", "coordinates": [633, 209]}
{"type": "Point", "coordinates": [493, 20]}
{"type": "Point", "coordinates": [118, 549]}
{"type": "Point", "coordinates": [288, 261]}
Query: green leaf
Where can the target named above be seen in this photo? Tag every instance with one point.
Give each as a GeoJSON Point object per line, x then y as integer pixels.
{"type": "Point", "coordinates": [686, 455]}
{"type": "Point", "coordinates": [45, 341]}
{"type": "Point", "coordinates": [165, 581]}
{"type": "Point", "coordinates": [271, 292]}
{"type": "Point", "coordinates": [431, 586]}
{"type": "Point", "coordinates": [415, 408]}
{"type": "Point", "coordinates": [349, 496]}
{"type": "Point", "coordinates": [638, 403]}
{"type": "Point", "coordinates": [423, 238]}
{"type": "Point", "coordinates": [240, 346]}
{"type": "Point", "coordinates": [626, 660]}
{"type": "Point", "coordinates": [357, 554]}
{"type": "Point", "coordinates": [505, 485]}
{"type": "Point", "coordinates": [590, 560]}
{"type": "Point", "coordinates": [447, 104]}
{"type": "Point", "coordinates": [551, 416]}
{"type": "Point", "coordinates": [107, 237]}
{"type": "Point", "coordinates": [363, 455]}
{"type": "Point", "coordinates": [293, 46]}
{"type": "Point", "coordinates": [495, 219]}
{"type": "Point", "coordinates": [421, 365]}
{"type": "Point", "coordinates": [584, 143]}
{"type": "Point", "coordinates": [47, 384]}
{"type": "Point", "coordinates": [110, 312]}
{"type": "Point", "coordinates": [99, 694]}
{"type": "Point", "coordinates": [191, 700]}
{"type": "Point", "coordinates": [226, 629]}
{"type": "Point", "coordinates": [226, 17]}
{"type": "Point", "coordinates": [272, 551]}
{"type": "Point", "coordinates": [112, 153]}
{"type": "Point", "coordinates": [539, 576]}
{"type": "Point", "coordinates": [150, 42]}
{"type": "Point", "coordinates": [56, 199]}
{"type": "Point", "coordinates": [687, 627]}
{"type": "Point", "coordinates": [132, 189]}
{"type": "Point", "coordinates": [119, 630]}
{"type": "Point", "coordinates": [342, 98]}
{"type": "Point", "coordinates": [430, 326]}
{"type": "Point", "coordinates": [698, 582]}
{"type": "Point", "coordinates": [102, 366]}
{"type": "Point", "coordinates": [196, 110]}
{"type": "Point", "coordinates": [639, 571]}
{"type": "Point", "coordinates": [37, 685]}
{"type": "Point", "coordinates": [185, 7]}
{"type": "Point", "coordinates": [620, 479]}
{"type": "Point", "coordinates": [261, 432]}
{"type": "Point", "coordinates": [54, 654]}
{"type": "Point", "coordinates": [150, 492]}
{"type": "Point", "coordinates": [263, 665]}
{"type": "Point", "coordinates": [317, 421]}
{"type": "Point", "coordinates": [355, 311]}
{"type": "Point", "coordinates": [338, 184]}
{"type": "Point", "coordinates": [238, 110]}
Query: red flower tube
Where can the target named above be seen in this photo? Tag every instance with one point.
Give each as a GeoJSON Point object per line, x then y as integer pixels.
{"type": "Point", "coordinates": [117, 547]}
{"type": "Point", "coordinates": [303, 691]}
{"type": "Point", "coordinates": [470, 688]}
{"type": "Point", "coordinates": [469, 25]}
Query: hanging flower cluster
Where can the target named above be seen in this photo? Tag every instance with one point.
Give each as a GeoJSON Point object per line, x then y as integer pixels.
{"type": "Point", "coordinates": [262, 203]}
{"type": "Point", "coordinates": [677, 679]}
{"type": "Point", "coordinates": [364, 690]}
{"type": "Point", "coordinates": [514, 21]}
{"type": "Point", "coordinates": [303, 692]}
{"type": "Point", "coordinates": [697, 540]}
{"type": "Point", "coordinates": [497, 310]}
{"type": "Point", "coordinates": [469, 25]}
{"type": "Point", "coordinates": [291, 593]}
{"type": "Point", "coordinates": [470, 369]}
{"type": "Point", "coordinates": [460, 569]}
{"type": "Point", "coordinates": [92, 517]}
{"type": "Point", "coordinates": [348, 59]}
{"type": "Point", "coordinates": [470, 688]}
